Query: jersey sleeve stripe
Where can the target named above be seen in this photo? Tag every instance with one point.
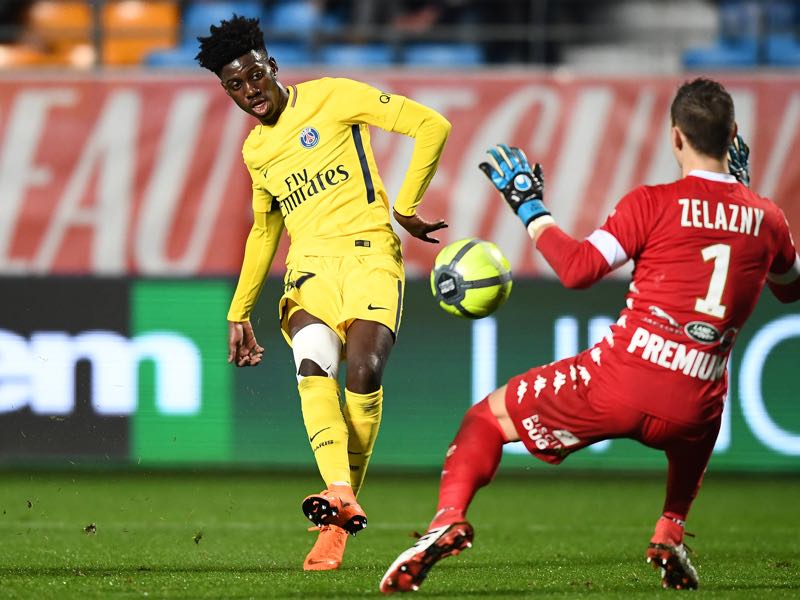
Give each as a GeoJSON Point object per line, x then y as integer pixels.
{"type": "Point", "coordinates": [362, 158]}
{"type": "Point", "coordinates": [789, 277]}
{"type": "Point", "coordinates": [609, 247]}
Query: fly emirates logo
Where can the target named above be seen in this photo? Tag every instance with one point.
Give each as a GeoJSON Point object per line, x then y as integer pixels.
{"type": "Point", "coordinates": [302, 187]}
{"type": "Point", "coordinates": [725, 217]}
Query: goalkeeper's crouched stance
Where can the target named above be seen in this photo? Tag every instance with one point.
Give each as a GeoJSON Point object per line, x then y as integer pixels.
{"type": "Point", "coordinates": [658, 377]}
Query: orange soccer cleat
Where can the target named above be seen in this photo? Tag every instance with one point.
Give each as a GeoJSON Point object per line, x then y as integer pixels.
{"type": "Point", "coordinates": [411, 568]}
{"type": "Point", "coordinates": [335, 506]}
{"type": "Point", "coordinates": [328, 550]}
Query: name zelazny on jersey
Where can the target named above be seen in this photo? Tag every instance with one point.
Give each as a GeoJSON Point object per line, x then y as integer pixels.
{"type": "Point", "coordinates": [725, 217]}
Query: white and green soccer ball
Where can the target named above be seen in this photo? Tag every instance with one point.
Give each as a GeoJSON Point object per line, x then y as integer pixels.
{"type": "Point", "coordinates": [471, 278]}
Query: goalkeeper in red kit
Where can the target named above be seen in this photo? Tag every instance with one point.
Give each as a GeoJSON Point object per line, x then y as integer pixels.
{"type": "Point", "coordinates": [703, 247]}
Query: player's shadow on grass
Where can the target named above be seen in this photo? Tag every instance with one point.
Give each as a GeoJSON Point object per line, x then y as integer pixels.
{"type": "Point", "coordinates": [143, 570]}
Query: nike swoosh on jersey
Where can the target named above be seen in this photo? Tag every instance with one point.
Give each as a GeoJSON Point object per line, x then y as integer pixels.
{"type": "Point", "coordinates": [370, 307]}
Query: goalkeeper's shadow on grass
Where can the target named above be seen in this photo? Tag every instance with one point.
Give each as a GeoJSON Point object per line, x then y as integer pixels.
{"type": "Point", "coordinates": [543, 587]}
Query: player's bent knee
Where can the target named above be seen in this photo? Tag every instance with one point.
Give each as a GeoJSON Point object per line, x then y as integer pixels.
{"type": "Point", "coordinates": [497, 405]}
{"type": "Point", "coordinates": [317, 350]}
{"type": "Point", "coordinates": [364, 374]}
{"type": "Point", "coordinates": [308, 368]}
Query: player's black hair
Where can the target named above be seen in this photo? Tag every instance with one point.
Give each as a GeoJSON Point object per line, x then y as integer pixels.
{"type": "Point", "coordinates": [703, 111]}
{"type": "Point", "coordinates": [228, 41]}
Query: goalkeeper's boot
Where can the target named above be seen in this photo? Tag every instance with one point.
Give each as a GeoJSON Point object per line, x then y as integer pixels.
{"type": "Point", "coordinates": [668, 554]}
{"type": "Point", "coordinates": [408, 572]}
{"type": "Point", "coordinates": [328, 550]}
{"type": "Point", "coordinates": [335, 506]}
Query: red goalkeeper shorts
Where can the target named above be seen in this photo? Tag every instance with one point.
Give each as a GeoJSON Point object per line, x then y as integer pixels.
{"type": "Point", "coordinates": [556, 410]}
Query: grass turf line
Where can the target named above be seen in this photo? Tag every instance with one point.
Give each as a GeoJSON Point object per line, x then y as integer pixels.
{"type": "Point", "coordinates": [207, 535]}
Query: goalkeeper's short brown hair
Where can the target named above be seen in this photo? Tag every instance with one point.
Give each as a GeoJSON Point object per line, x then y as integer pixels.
{"type": "Point", "coordinates": [703, 110]}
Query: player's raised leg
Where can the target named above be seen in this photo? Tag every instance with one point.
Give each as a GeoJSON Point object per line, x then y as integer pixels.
{"type": "Point", "coordinates": [470, 463]}
{"type": "Point", "coordinates": [666, 552]}
{"type": "Point", "coordinates": [317, 350]}
{"type": "Point", "coordinates": [368, 346]}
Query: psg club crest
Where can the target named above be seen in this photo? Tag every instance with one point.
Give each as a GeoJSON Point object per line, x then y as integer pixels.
{"type": "Point", "coordinates": [309, 137]}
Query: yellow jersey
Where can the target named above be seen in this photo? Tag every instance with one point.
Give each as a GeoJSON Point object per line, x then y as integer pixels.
{"type": "Point", "coordinates": [315, 168]}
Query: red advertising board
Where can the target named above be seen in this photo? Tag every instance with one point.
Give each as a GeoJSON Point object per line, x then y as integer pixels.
{"type": "Point", "coordinates": [142, 174]}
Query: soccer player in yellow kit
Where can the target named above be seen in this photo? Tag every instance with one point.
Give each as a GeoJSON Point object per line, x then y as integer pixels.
{"type": "Point", "coordinates": [314, 173]}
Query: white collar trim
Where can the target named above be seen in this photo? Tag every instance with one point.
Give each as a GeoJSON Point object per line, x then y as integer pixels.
{"type": "Point", "coordinates": [713, 175]}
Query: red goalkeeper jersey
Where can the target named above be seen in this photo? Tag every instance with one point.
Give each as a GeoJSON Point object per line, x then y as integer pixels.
{"type": "Point", "coordinates": [703, 248]}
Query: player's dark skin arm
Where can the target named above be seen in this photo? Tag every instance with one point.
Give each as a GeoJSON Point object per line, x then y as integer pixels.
{"type": "Point", "coordinates": [419, 227]}
{"type": "Point", "coordinates": [251, 82]}
{"type": "Point", "coordinates": [243, 349]}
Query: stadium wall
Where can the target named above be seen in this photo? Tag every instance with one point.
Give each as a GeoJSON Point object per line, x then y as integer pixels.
{"type": "Point", "coordinates": [97, 371]}
{"type": "Point", "coordinates": [142, 174]}
{"type": "Point", "coordinates": [123, 211]}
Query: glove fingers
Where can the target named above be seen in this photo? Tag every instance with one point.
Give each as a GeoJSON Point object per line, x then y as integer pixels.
{"type": "Point", "coordinates": [488, 170]}
{"type": "Point", "coordinates": [492, 172]}
{"type": "Point", "coordinates": [509, 154]}
{"type": "Point", "coordinates": [503, 163]}
{"type": "Point", "coordinates": [521, 158]}
{"type": "Point", "coordinates": [741, 147]}
{"type": "Point", "coordinates": [538, 173]}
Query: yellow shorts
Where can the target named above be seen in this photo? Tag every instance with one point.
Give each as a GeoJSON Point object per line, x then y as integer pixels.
{"type": "Point", "coordinates": [340, 289]}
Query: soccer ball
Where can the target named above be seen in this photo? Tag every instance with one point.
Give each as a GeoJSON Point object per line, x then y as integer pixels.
{"type": "Point", "coordinates": [471, 278]}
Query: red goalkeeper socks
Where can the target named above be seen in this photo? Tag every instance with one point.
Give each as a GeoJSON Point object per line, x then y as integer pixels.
{"type": "Point", "coordinates": [471, 462]}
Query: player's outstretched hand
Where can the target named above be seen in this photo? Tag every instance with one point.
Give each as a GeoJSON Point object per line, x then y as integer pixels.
{"type": "Point", "coordinates": [419, 227]}
{"type": "Point", "coordinates": [243, 349]}
{"type": "Point", "coordinates": [739, 160]}
{"type": "Point", "coordinates": [522, 187]}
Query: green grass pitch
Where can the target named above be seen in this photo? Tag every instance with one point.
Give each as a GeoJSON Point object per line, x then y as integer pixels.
{"type": "Point", "coordinates": [241, 535]}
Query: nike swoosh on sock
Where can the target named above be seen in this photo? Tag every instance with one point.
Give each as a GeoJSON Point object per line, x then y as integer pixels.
{"type": "Point", "coordinates": [311, 439]}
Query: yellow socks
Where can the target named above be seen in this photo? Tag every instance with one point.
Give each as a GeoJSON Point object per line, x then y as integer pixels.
{"type": "Point", "coordinates": [339, 433]}
{"type": "Point", "coordinates": [362, 412]}
{"type": "Point", "coordinates": [325, 424]}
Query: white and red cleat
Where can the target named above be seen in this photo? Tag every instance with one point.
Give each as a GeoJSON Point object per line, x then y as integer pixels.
{"type": "Point", "coordinates": [676, 569]}
{"type": "Point", "coordinates": [409, 570]}
{"type": "Point", "coordinates": [667, 553]}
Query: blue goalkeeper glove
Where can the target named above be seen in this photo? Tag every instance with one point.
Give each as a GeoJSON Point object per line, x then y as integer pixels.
{"type": "Point", "coordinates": [521, 187]}
{"type": "Point", "coordinates": [738, 160]}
